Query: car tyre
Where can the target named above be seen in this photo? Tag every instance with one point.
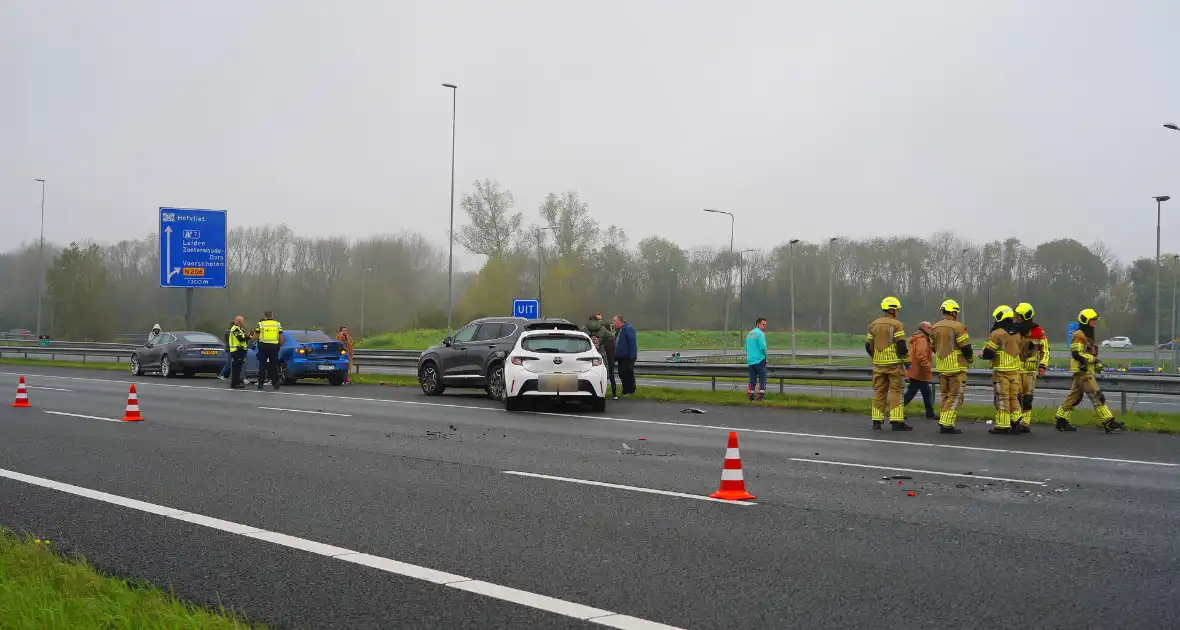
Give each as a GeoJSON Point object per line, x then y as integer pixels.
{"type": "Point", "coordinates": [513, 403]}
{"type": "Point", "coordinates": [430, 380]}
{"type": "Point", "coordinates": [135, 370]}
{"type": "Point", "coordinates": [166, 367]}
{"type": "Point", "coordinates": [284, 378]}
{"type": "Point", "coordinates": [496, 384]}
{"type": "Point", "coordinates": [336, 379]}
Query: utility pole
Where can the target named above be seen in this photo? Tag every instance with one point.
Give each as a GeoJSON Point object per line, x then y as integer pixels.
{"type": "Point", "coordinates": [728, 280]}
{"type": "Point", "coordinates": [451, 233]}
{"type": "Point", "coordinates": [1155, 344]}
{"type": "Point", "coordinates": [794, 241]}
{"type": "Point", "coordinates": [41, 260]}
{"type": "Point", "coordinates": [831, 272]}
{"type": "Point", "coordinates": [671, 275]}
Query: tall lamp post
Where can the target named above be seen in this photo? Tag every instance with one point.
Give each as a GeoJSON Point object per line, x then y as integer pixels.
{"type": "Point", "coordinates": [831, 272]}
{"type": "Point", "coordinates": [671, 274]}
{"type": "Point", "coordinates": [794, 241]}
{"type": "Point", "coordinates": [728, 280]}
{"type": "Point", "coordinates": [41, 255]}
{"type": "Point", "coordinates": [1174, 258]}
{"type": "Point", "coordinates": [364, 274]}
{"type": "Point", "coordinates": [742, 285]}
{"type": "Point", "coordinates": [540, 262]}
{"type": "Point", "coordinates": [1155, 345]}
{"type": "Point", "coordinates": [451, 233]}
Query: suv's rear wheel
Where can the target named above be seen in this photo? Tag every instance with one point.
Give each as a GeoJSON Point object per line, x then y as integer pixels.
{"type": "Point", "coordinates": [496, 385]}
{"type": "Point", "coordinates": [430, 379]}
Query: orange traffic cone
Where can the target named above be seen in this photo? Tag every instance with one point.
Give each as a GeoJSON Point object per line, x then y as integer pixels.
{"type": "Point", "coordinates": [132, 413]}
{"type": "Point", "coordinates": [22, 396]}
{"type": "Point", "coordinates": [733, 485]}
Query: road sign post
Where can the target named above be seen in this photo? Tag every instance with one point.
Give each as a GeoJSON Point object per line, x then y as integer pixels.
{"type": "Point", "coordinates": [528, 309]}
{"type": "Point", "coordinates": [192, 252]}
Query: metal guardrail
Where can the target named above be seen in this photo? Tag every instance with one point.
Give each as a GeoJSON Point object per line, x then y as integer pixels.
{"type": "Point", "coordinates": [1111, 382]}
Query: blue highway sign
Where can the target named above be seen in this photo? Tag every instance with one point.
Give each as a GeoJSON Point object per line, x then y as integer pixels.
{"type": "Point", "coordinates": [528, 309]}
{"type": "Point", "coordinates": [192, 248]}
{"type": "Point", "coordinates": [1069, 332]}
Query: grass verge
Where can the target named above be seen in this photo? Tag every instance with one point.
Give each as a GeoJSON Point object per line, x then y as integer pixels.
{"type": "Point", "coordinates": [1148, 421]}
{"type": "Point", "coordinates": [89, 365]}
{"type": "Point", "coordinates": [40, 589]}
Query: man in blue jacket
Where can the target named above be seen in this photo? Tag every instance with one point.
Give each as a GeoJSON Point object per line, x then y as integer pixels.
{"type": "Point", "coordinates": [626, 351]}
{"type": "Point", "coordinates": [756, 358]}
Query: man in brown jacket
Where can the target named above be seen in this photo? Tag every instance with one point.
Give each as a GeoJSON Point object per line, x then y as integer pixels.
{"type": "Point", "coordinates": [921, 370]}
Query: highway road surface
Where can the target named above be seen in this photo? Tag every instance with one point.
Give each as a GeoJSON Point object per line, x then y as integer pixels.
{"type": "Point", "coordinates": [371, 507]}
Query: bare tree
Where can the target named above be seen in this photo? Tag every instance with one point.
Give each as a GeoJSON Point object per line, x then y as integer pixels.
{"type": "Point", "coordinates": [493, 225]}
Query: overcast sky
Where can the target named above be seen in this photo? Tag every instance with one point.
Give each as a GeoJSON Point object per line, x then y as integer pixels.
{"type": "Point", "coordinates": [806, 119]}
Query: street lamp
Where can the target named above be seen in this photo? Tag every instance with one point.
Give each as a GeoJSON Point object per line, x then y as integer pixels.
{"type": "Point", "coordinates": [1175, 258]}
{"type": "Point", "coordinates": [831, 272]}
{"type": "Point", "coordinates": [794, 241]}
{"type": "Point", "coordinates": [364, 274]}
{"type": "Point", "coordinates": [1156, 344]}
{"type": "Point", "coordinates": [540, 261]}
{"type": "Point", "coordinates": [671, 273]}
{"type": "Point", "coordinates": [742, 285]}
{"type": "Point", "coordinates": [728, 279]}
{"type": "Point", "coordinates": [1172, 126]}
{"type": "Point", "coordinates": [41, 264]}
{"type": "Point", "coordinates": [451, 233]}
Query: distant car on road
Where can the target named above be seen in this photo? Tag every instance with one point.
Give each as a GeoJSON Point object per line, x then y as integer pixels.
{"type": "Point", "coordinates": [305, 354]}
{"type": "Point", "coordinates": [474, 356]}
{"type": "Point", "coordinates": [1117, 342]}
{"type": "Point", "coordinates": [1167, 345]}
{"type": "Point", "coordinates": [555, 365]}
{"type": "Point", "coordinates": [186, 352]}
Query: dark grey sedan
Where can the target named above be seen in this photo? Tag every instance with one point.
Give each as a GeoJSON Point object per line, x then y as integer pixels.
{"type": "Point", "coordinates": [186, 352]}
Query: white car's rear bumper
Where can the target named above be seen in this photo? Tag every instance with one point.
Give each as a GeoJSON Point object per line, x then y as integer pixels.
{"type": "Point", "coordinates": [590, 384]}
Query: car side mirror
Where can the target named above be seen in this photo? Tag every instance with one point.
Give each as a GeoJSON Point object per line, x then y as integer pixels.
{"type": "Point", "coordinates": [448, 341]}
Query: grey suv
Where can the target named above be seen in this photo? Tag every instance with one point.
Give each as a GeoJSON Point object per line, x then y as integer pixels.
{"type": "Point", "coordinates": [473, 358]}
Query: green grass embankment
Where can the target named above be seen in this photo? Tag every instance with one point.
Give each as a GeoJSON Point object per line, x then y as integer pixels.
{"type": "Point", "coordinates": [41, 589]}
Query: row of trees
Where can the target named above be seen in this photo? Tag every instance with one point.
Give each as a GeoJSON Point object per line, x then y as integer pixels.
{"type": "Point", "coordinates": [578, 266]}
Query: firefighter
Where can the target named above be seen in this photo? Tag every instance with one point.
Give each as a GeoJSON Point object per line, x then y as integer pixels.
{"type": "Point", "coordinates": [1003, 350]}
{"type": "Point", "coordinates": [885, 344]}
{"type": "Point", "coordinates": [952, 356]}
{"type": "Point", "coordinates": [1034, 359]}
{"type": "Point", "coordinates": [1083, 363]}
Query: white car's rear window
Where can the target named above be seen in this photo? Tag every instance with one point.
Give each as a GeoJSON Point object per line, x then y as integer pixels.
{"type": "Point", "coordinates": [556, 344]}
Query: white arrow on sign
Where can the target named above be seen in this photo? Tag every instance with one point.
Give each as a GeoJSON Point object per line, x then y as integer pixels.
{"type": "Point", "coordinates": [175, 270]}
{"type": "Point", "coordinates": [168, 250]}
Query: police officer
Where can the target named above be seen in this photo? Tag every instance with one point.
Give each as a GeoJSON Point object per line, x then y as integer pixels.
{"type": "Point", "coordinates": [1003, 350]}
{"type": "Point", "coordinates": [885, 343]}
{"type": "Point", "coordinates": [1083, 363]}
{"type": "Point", "coordinates": [269, 334]}
{"type": "Point", "coordinates": [1034, 357]}
{"type": "Point", "coordinates": [237, 352]}
{"type": "Point", "coordinates": [952, 356]}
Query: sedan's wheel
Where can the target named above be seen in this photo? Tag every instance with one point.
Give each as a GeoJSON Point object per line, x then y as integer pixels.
{"type": "Point", "coordinates": [135, 366]}
{"type": "Point", "coordinates": [496, 382]}
{"type": "Point", "coordinates": [166, 367]}
{"type": "Point", "coordinates": [513, 403]}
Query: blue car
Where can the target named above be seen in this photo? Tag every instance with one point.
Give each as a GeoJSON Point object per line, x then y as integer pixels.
{"type": "Point", "coordinates": [304, 354]}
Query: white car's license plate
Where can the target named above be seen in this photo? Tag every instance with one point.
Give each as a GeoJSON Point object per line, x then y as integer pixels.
{"type": "Point", "coordinates": [325, 368]}
{"type": "Point", "coordinates": [551, 383]}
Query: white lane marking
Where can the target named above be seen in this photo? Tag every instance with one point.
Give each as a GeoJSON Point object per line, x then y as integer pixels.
{"type": "Point", "coordinates": [913, 470]}
{"type": "Point", "coordinates": [487, 589]}
{"type": "Point", "coordinates": [54, 389]}
{"type": "Point", "coordinates": [817, 436]}
{"type": "Point", "coordinates": [318, 413]}
{"type": "Point", "coordinates": [79, 415]}
{"type": "Point", "coordinates": [622, 487]}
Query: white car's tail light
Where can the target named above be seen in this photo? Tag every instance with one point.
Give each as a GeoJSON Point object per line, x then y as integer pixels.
{"type": "Point", "coordinates": [595, 361]}
{"type": "Point", "coordinates": [519, 360]}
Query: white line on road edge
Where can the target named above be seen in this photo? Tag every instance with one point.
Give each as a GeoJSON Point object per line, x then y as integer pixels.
{"type": "Point", "coordinates": [318, 413]}
{"type": "Point", "coordinates": [78, 415]}
{"type": "Point", "coordinates": [480, 587]}
{"type": "Point", "coordinates": [913, 470]}
{"type": "Point", "coordinates": [55, 389]}
{"type": "Point", "coordinates": [816, 436]}
{"type": "Point", "coordinates": [621, 487]}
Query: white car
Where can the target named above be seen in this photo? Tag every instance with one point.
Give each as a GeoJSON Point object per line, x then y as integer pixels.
{"type": "Point", "coordinates": [554, 364]}
{"type": "Point", "coordinates": [1117, 342]}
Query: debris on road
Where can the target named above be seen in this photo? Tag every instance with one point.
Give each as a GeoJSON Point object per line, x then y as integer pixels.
{"type": "Point", "coordinates": [692, 410]}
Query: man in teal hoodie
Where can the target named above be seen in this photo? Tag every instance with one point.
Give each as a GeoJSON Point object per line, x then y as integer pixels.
{"type": "Point", "coordinates": [756, 358]}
